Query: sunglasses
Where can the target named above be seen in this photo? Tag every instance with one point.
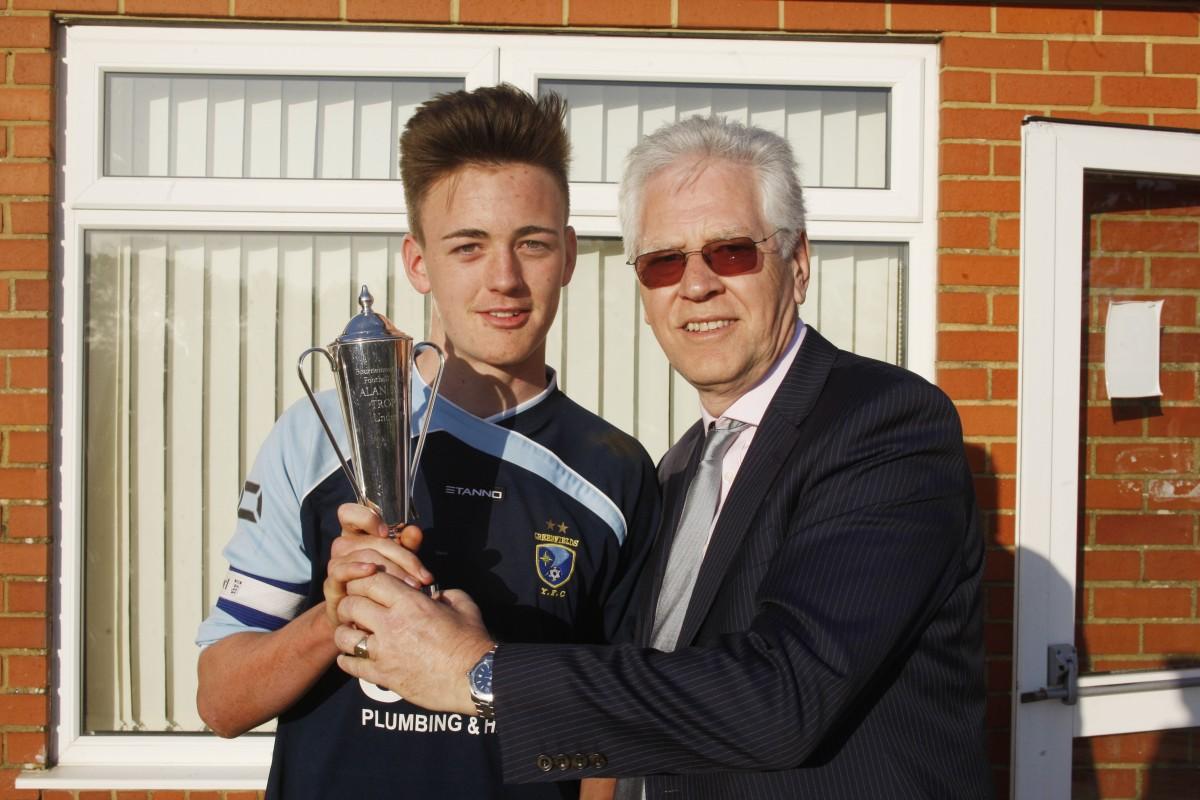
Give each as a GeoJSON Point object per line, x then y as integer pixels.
{"type": "Point", "coordinates": [726, 257]}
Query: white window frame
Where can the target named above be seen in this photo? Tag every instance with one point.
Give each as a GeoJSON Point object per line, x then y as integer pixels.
{"type": "Point", "coordinates": [904, 213]}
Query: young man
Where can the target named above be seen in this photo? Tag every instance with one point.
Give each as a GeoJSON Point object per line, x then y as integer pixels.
{"type": "Point", "coordinates": [538, 508]}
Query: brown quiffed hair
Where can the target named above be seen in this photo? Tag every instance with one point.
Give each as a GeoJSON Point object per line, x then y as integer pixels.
{"type": "Point", "coordinates": [492, 125]}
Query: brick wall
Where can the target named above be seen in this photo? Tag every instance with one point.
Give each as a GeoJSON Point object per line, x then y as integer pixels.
{"type": "Point", "coordinates": [999, 63]}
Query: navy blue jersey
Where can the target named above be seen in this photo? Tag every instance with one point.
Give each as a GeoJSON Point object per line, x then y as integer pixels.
{"type": "Point", "coordinates": [542, 514]}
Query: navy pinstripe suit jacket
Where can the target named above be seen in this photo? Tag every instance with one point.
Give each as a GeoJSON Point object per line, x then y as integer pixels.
{"type": "Point", "coordinates": [832, 647]}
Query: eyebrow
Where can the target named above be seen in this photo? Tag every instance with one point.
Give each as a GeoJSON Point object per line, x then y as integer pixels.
{"type": "Point", "coordinates": [478, 233]}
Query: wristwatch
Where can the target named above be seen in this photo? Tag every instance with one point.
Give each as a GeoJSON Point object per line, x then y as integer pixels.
{"type": "Point", "coordinates": [479, 679]}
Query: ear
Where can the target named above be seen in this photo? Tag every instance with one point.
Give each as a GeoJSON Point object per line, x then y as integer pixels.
{"type": "Point", "coordinates": [414, 264]}
{"type": "Point", "coordinates": [570, 251]}
{"type": "Point", "coordinates": [799, 265]}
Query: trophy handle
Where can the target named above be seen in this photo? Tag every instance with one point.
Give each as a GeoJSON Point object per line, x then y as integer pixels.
{"type": "Point", "coordinates": [437, 381]}
{"type": "Point", "coordinates": [358, 491]}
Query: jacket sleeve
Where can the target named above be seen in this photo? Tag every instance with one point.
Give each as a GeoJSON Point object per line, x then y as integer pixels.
{"type": "Point", "coordinates": [873, 537]}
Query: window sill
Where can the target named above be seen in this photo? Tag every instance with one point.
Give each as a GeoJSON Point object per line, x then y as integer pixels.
{"type": "Point", "coordinates": [141, 776]}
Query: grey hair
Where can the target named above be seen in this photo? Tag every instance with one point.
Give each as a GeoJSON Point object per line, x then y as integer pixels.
{"type": "Point", "coordinates": [717, 138]}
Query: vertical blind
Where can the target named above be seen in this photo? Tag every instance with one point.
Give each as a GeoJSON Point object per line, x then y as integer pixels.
{"type": "Point", "coordinates": [260, 127]}
{"type": "Point", "coordinates": [839, 135]}
{"type": "Point", "coordinates": [192, 340]}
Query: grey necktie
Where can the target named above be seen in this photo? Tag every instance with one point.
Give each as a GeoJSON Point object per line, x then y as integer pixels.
{"type": "Point", "coordinates": [687, 551]}
{"type": "Point", "coordinates": [691, 535]}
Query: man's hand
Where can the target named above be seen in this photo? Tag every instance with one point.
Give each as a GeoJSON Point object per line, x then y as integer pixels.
{"type": "Point", "coordinates": [364, 548]}
{"type": "Point", "coordinates": [417, 647]}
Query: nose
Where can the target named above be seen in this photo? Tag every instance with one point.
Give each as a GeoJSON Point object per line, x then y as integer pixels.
{"type": "Point", "coordinates": [698, 282]}
{"type": "Point", "coordinates": [504, 274]}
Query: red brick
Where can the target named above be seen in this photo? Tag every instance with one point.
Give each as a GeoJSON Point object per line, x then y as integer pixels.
{"type": "Point", "coordinates": [1004, 458]}
{"type": "Point", "coordinates": [1006, 160]}
{"type": "Point", "coordinates": [24, 179]}
{"type": "Point", "coordinates": [1178, 310]}
{"type": "Point", "coordinates": [66, 5]}
{"type": "Point", "coordinates": [25, 104]}
{"type": "Point", "coordinates": [1093, 56]}
{"type": "Point", "coordinates": [25, 32]}
{"type": "Point", "coordinates": [1134, 236]}
{"type": "Point", "coordinates": [1133, 603]}
{"type": "Point", "coordinates": [1109, 638]}
{"type": "Point", "coordinates": [962, 307]}
{"type": "Point", "coordinates": [24, 334]}
{"type": "Point", "coordinates": [28, 447]}
{"type": "Point", "coordinates": [287, 9]}
{"type": "Point", "coordinates": [1173, 493]}
{"type": "Point", "coordinates": [972, 270]}
{"type": "Point", "coordinates": [650, 13]}
{"type": "Point", "coordinates": [980, 195]}
{"type": "Point", "coordinates": [963, 384]}
{"type": "Point", "coordinates": [964, 232]}
{"type": "Point", "coordinates": [23, 632]}
{"type": "Point", "coordinates": [988, 420]}
{"type": "Point", "coordinates": [1189, 121]}
{"type": "Point", "coordinates": [1144, 458]}
{"type": "Point", "coordinates": [1004, 532]}
{"type": "Point", "coordinates": [1117, 90]}
{"type": "Point", "coordinates": [24, 484]}
{"type": "Point", "coordinates": [1158, 21]}
{"type": "Point", "coordinates": [187, 8]}
{"type": "Point", "coordinates": [1180, 348]}
{"type": "Point", "coordinates": [1005, 309]}
{"type": "Point", "coordinates": [29, 372]}
{"type": "Point", "coordinates": [1063, 90]}
{"type": "Point", "coordinates": [1108, 116]}
{"type": "Point", "coordinates": [32, 295]}
{"type": "Point", "coordinates": [1111, 565]}
{"type": "Point", "coordinates": [998, 602]}
{"type": "Point", "coordinates": [1100, 422]}
{"type": "Point", "coordinates": [31, 217]}
{"type": "Point", "coordinates": [25, 597]}
{"type": "Point", "coordinates": [1178, 386]}
{"type": "Point", "coordinates": [1176, 58]}
{"type": "Point", "coordinates": [1008, 231]}
{"type": "Point", "coordinates": [969, 51]}
{"type": "Point", "coordinates": [23, 559]}
{"type": "Point", "coordinates": [1176, 421]}
{"type": "Point", "coordinates": [823, 15]}
{"type": "Point", "coordinates": [723, 14]}
{"type": "Point", "coordinates": [26, 672]}
{"type": "Point", "coordinates": [967, 87]}
{"type": "Point", "coordinates": [28, 522]}
{"type": "Point", "coordinates": [23, 709]}
{"type": "Point", "coordinates": [390, 11]}
{"type": "Point", "coordinates": [5, 304]}
{"type": "Point", "coordinates": [33, 68]}
{"type": "Point", "coordinates": [1175, 273]}
{"type": "Point", "coordinates": [1099, 493]}
{"type": "Point", "coordinates": [24, 748]}
{"type": "Point", "coordinates": [976, 457]}
{"type": "Point", "coordinates": [995, 493]}
{"type": "Point", "coordinates": [977, 346]}
{"type": "Point", "coordinates": [1116, 272]}
{"type": "Point", "coordinates": [24, 254]}
{"type": "Point", "coordinates": [32, 141]}
{"type": "Point", "coordinates": [1004, 384]}
{"type": "Point", "coordinates": [940, 17]}
{"type": "Point", "coordinates": [982, 123]}
{"type": "Point", "coordinates": [513, 12]}
{"type": "Point", "coordinates": [964, 159]}
{"type": "Point", "coordinates": [1173, 565]}
{"type": "Point", "coordinates": [24, 409]}
{"type": "Point", "coordinates": [1020, 19]}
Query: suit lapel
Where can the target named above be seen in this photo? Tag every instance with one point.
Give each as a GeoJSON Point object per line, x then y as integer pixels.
{"type": "Point", "coordinates": [775, 439]}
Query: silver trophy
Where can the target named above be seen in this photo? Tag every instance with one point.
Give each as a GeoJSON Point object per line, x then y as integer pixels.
{"type": "Point", "coordinates": [371, 362]}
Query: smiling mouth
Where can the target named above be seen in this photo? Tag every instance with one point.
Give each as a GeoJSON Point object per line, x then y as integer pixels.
{"type": "Point", "coordinates": [505, 314]}
{"type": "Point", "coordinates": [707, 325]}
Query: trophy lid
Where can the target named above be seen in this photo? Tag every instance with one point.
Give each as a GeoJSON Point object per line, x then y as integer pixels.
{"type": "Point", "coordinates": [368, 324]}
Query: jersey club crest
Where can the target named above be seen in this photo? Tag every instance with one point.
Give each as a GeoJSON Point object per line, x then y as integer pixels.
{"type": "Point", "coordinates": [555, 563]}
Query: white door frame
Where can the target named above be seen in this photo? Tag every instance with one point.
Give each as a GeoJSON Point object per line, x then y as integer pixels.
{"type": "Point", "coordinates": [1055, 156]}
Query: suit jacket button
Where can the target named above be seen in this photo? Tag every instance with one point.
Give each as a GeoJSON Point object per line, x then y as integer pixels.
{"type": "Point", "coordinates": [580, 761]}
{"type": "Point", "coordinates": [599, 761]}
{"type": "Point", "coordinates": [545, 763]}
{"type": "Point", "coordinates": [563, 761]}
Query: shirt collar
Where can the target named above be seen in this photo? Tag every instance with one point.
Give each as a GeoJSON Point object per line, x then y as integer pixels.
{"type": "Point", "coordinates": [752, 406]}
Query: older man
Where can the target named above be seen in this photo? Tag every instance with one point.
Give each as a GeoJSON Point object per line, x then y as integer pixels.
{"type": "Point", "coordinates": [809, 620]}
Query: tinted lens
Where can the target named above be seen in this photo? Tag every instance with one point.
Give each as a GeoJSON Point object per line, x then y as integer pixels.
{"type": "Point", "coordinates": [731, 256]}
{"type": "Point", "coordinates": [661, 268]}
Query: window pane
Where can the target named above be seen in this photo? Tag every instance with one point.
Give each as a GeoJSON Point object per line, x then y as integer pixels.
{"type": "Point", "coordinates": [839, 135]}
{"type": "Point", "coordinates": [259, 127]}
{"type": "Point", "coordinates": [192, 341]}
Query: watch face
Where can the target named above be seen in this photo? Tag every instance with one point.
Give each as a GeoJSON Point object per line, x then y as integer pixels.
{"type": "Point", "coordinates": [481, 676]}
